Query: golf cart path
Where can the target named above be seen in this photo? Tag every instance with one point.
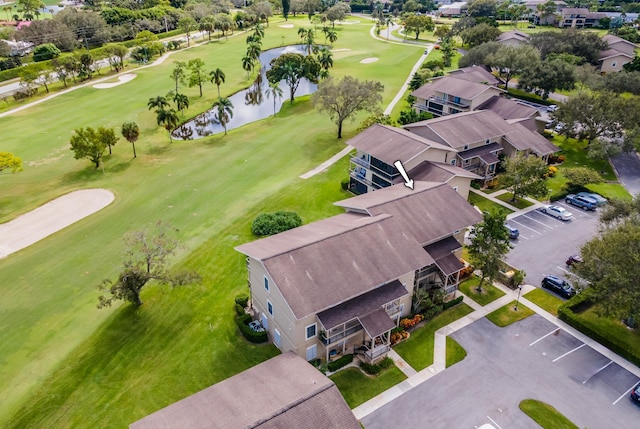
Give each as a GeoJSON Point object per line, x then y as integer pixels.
{"type": "Point", "coordinates": [51, 217]}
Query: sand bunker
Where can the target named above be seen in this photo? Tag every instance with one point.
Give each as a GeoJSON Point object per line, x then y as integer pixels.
{"type": "Point", "coordinates": [369, 60]}
{"type": "Point", "coordinates": [341, 50]}
{"type": "Point", "coordinates": [286, 26]}
{"type": "Point", "coordinates": [124, 78]}
{"type": "Point", "coordinates": [50, 218]}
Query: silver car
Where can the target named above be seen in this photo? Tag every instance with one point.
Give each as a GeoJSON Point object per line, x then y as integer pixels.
{"type": "Point", "coordinates": [557, 212]}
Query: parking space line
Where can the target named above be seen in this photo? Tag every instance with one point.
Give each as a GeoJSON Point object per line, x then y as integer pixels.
{"type": "Point", "coordinates": [541, 223]}
{"type": "Point", "coordinates": [571, 273]}
{"type": "Point", "coordinates": [569, 352]}
{"type": "Point", "coordinates": [595, 373]}
{"type": "Point", "coordinates": [521, 224]}
{"type": "Point", "coordinates": [624, 394]}
{"type": "Point", "coordinates": [494, 422]}
{"type": "Point", "coordinates": [544, 336]}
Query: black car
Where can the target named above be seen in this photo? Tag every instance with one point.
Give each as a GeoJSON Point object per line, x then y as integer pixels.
{"type": "Point", "coordinates": [635, 394]}
{"type": "Point", "coordinates": [559, 286]}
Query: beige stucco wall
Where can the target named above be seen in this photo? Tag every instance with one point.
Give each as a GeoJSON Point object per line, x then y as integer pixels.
{"type": "Point", "coordinates": [607, 65]}
{"type": "Point", "coordinates": [623, 47]}
{"type": "Point", "coordinates": [484, 97]}
{"type": "Point", "coordinates": [432, 154]}
{"type": "Point", "coordinates": [461, 184]}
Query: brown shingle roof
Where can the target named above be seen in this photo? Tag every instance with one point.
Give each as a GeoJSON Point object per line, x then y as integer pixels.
{"type": "Point", "coordinates": [508, 109]}
{"type": "Point", "coordinates": [513, 34]}
{"type": "Point", "coordinates": [464, 128]}
{"type": "Point", "coordinates": [320, 265]}
{"type": "Point", "coordinates": [477, 74]}
{"type": "Point", "coordinates": [284, 392]}
{"type": "Point", "coordinates": [429, 171]}
{"type": "Point", "coordinates": [390, 144]}
{"type": "Point", "coordinates": [429, 212]}
{"type": "Point", "coordinates": [610, 53]}
{"type": "Point", "coordinates": [452, 85]}
{"type": "Point", "coordinates": [612, 39]}
{"type": "Point", "coordinates": [523, 139]}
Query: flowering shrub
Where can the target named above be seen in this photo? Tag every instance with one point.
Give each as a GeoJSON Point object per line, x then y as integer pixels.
{"type": "Point", "coordinates": [396, 337]}
{"type": "Point", "coordinates": [408, 323]}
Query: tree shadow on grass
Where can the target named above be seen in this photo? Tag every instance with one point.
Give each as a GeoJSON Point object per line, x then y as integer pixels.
{"type": "Point", "coordinates": [88, 174]}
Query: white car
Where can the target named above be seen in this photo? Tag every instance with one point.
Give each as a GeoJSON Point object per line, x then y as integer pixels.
{"type": "Point", "coordinates": [557, 212]}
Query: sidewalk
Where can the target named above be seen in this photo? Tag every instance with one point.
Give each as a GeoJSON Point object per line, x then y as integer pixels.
{"type": "Point", "coordinates": [415, 378]}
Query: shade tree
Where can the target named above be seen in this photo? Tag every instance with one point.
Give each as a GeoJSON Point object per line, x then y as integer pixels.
{"type": "Point", "coordinates": [341, 99]}
{"type": "Point", "coordinates": [292, 68]}
{"type": "Point", "coordinates": [9, 161]}
{"type": "Point", "coordinates": [525, 175]}
{"type": "Point", "coordinates": [490, 243]}
{"type": "Point", "coordinates": [147, 255]}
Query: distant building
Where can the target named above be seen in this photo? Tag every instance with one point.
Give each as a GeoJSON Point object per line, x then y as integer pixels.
{"type": "Point", "coordinates": [513, 38]}
{"type": "Point", "coordinates": [19, 48]}
{"type": "Point", "coordinates": [455, 9]}
{"type": "Point", "coordinates": [619, 53]}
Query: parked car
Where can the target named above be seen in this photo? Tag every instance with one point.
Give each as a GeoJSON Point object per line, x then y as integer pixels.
{"type": "Point", "coordinates": [585, 203]}
{"type": "Point", "coordinates": [573, 259]}
{"type": "Point", "coordinates": [559, 286]}
{"type": "Point", "coordinates": [552, 108]}
{"type": "Point", "coordinates": [599, 199]}
{"type": "Point", "coordinates": [557, 212]}
{"type": "Point", "coordinates": [513, 232]}
{"type": "Point", "coordinates": [635, 394]}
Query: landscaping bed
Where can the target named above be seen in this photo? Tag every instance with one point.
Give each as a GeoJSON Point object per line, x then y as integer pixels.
{"type": "Point", "coordinates": [489, 292]}
{"type": "Point", "coordinates": [505, 316]}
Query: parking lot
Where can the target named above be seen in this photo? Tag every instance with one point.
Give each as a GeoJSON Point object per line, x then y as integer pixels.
{"type": "Point", "coordinates": [545, 242]}
{"type": "Point", "coordinates": [531, 359]}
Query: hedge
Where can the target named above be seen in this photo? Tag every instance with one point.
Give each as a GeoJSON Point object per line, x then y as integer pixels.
{"type": "Point", "coordinates": [242, 299]}
{"type": "Point", "coordinates": [339, 363]}
{"type": "Point", "coordinates": [274, 223]}
{"type": "Point", "coordinates": [375, 369]}
{"type": "Point", "coordinates": [531, 98]}
{"type": "Point", "coordinates": [251, 335]}
{"type": "Point", "coordinates": [567, 313]}
{"type": "Point", "coordinates": [453, 302]}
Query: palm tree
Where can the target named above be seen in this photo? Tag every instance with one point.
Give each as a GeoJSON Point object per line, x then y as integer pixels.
{"type": "Point", "coordinates": [159, 102]}
{"type": "Point", "coordinates": [247, 64]}
{"type": "Point", "coordinates": [258, 30]}
{"type": "Point", "coordinates": [253, 51]}
{"type": "Point", "coordinates": [302, 32]}
{"type": "Point", "coordinates": [332, 36]}
{"type": "Point", "coordinates": [168, 119]}
{"type": "Point", "coordinates": [223, 111]}
{"type": "Point", "coordinates": [275, 91]}
{"type": "Point", "coordinates": [131, 132]}
{"type": "Point", "coordinates": [217, 77]}
{"type": "Point", "coordinates": [309, 40]}
{"type": "Point", "coordinates": [182, 102]}
{"type": "Point", "coordinates": [325, 30]}
{"type": "Point", "coordinates": [6, 10]}
{"type": "Point", "coordinates": [325, 58]}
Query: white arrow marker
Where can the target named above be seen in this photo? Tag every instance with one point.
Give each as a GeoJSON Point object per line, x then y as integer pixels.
{"type": "Point", "coordinates": [407, 182]}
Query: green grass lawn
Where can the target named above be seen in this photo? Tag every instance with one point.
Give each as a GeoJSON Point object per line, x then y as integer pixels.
{"type": "Point", "coordinates": [519, 203]}
{"type": "Point", "coordinates": [417, 350]}
{"type": "Point", "coordinates": [357, 387]}
{"type": "Point", "coordinates": [486, 205]}
{"type": "Point", "coordinates": [505, 316]}
{"type": "Point", "coordinates": [545, 415]}
{"type": "Point", "coordinates": [545, 300]}
{"type": "Point", "coordinates": [489, 292]}
{"type": "Point", "coordinates": [455, 352]}
{"type": "Point", "coordinates": [70, 365]}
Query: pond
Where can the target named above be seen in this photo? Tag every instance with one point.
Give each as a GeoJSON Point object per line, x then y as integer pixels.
{"type": "Point", "coordinates": [249, 105]}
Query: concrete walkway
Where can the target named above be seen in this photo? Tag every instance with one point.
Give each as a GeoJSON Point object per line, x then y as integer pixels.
{"type": "Point", "coordinates": [516, 211]}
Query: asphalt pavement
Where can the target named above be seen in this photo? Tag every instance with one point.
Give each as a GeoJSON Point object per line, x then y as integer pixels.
{"type": "Point", "coordinates": [627, 167]}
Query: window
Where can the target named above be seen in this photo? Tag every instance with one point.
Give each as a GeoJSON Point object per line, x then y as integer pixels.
{"type": "Point", "coordinates": [276, 338]}
{"type": "Point", "coordinates": [455, 188]}
{"type": "Point", "coordinates": [466, 147]}
{"type": "Point", "coordinates": [466, 162]}
{"type": "Point", "coordinates": [312, 352]}
{"type": "Point", "coordinates": [613, 63]}
{"type": "Point", "coordinates": [270, 307]}
{"type": "Point", "coordinates": [310, 331]}
{"type": "Point", "coordinates": [453, 162]}
{"type": "Point", "coordinates": [266, 283]}
{"type": "Point", "coordinates": [487, 141]}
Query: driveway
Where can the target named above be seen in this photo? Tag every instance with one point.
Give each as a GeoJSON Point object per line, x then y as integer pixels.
{"type": "Point", "coordinates": [545, 242]}
{"type": "Point", "coordinates": [627, 166]}
{"type": "Point", "coordinates": [529, 359]}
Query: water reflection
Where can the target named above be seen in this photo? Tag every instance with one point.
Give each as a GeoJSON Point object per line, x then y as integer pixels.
{"type": "Point", "coordinates": [248, 105]}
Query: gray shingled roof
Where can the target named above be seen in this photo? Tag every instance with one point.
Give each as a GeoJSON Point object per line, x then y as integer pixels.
{"type": "Point", "coordinates": [284, 392]}
{"type": "Point", "coordinates": [610, 53]}
{"type": "Point", "coordinates": [390, 144]}
{"type": "Point", "coordinates": [320, 265]}
{"type": "Point", "coordinates": [464, 128]}
{"type": "Point", "coordinates": [478, 74]}
{"type": "Point", "coordinates": [429, 212]}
